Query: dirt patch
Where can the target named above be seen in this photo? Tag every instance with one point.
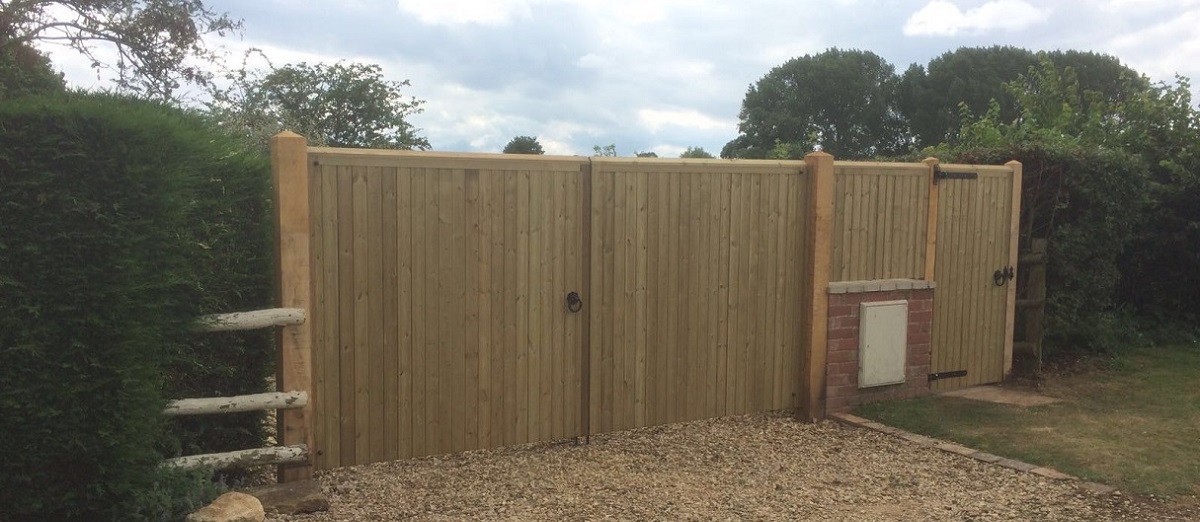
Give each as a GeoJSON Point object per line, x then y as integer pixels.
{"type": "Point", "coordinates": [759, 467]}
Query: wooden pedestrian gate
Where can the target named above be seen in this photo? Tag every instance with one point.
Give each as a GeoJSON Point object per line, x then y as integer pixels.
{"type": "Point", "coordinates": [466, 301]}
{"type": "Point", "coordinates": [977, 223]}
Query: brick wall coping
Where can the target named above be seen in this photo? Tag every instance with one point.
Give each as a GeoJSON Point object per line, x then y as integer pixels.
{"type": "Point", "coordinates": [878, 285]}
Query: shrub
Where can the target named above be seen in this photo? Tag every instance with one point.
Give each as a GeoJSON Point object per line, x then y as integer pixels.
{"type": "Point", "coordinates": [118, 217]}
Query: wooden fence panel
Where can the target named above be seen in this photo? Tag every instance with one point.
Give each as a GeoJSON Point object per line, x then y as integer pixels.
{"type": "Point", "coordinates": [439, 323]}
{"type": "Point", "coordinates": [880, 212]}
{"type": "Point", "coordinates": [970, 310]}
{"type": "Point", "coordinates": [696, 282]}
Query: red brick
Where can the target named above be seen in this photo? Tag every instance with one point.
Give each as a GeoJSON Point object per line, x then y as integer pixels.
{"type": "Point", "coordinates": [844, 322]}
{"type": "Point", "coordinates": [841, 356]}
{"type": "Point", "coordinates": [843, 390]}
{"type": "Point", "coordinates": [843, 333]}
{"type": "Point", "coordinates": [847, 368]}
{"type": "Point", "coordinates": [918, 338]}
{"type": "Point", "coordinates": [923, 316]}
{"type": "Point", "coordinates": [838, 379]}
{"type": "Point", "coordinates": [842, 310]}
{"type": "Point", "coordinates": [836, 404]}
{"type": "Point", "coordinates": [843, 344]}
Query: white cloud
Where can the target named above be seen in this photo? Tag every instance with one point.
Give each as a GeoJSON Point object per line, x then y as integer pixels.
{"type": "Point", "coordinates": [943, 18]}
{"type": "Point", "coordinates": [656, 119]}
{"type": "Point", "coordinates": [1163, 49]}
{"type": "Point", "coordinates": [453, 12]}
{"type": "Point", "coordinates": [500, 12]}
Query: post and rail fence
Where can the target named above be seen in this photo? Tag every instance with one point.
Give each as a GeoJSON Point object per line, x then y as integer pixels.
{"type": "Point", "coordinates": [278, 455]}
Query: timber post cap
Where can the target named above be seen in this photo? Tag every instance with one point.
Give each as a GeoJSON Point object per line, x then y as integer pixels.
{"type": "Point", "coordinates": [286, 134]}
{"type": "Point", "coordinates": [931, 161]}
{"type": "Point", "coordinates": [818, 154]}
{"type": "Point", "coordinates": [1013, 163]}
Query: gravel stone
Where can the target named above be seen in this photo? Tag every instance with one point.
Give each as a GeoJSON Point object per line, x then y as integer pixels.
{"type": "Point", "coordinates": [755, 467]}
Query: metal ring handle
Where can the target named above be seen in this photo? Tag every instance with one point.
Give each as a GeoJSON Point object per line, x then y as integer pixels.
{"type": "Point", "coordinates": [574, 302]}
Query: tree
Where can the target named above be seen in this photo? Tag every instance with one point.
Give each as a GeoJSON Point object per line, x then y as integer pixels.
{"type": "Point", "coordinates": [24, 70]}
{"type": "Point", "coordinates": [840, 101]}
{"type": "Point", "coordinates": [932, 99]}
{"type": "Point", "coordinates": [646, 154]}
{"type": "Point", "coordinates": [696, 152]}
{"type": "Point", "coordinates": [971, 77]}
{"type": "Point", "coordinates": [609, 150]}
{"type": "Point", "coordinates": [524, 145]}
{"type": "Point", "coordinates": [159, 44]}
{"type": "Point", "coordinates": [339, 105]}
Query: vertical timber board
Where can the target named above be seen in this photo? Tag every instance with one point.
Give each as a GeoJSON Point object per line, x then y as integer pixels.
{"type": "Point", "coordinates": [326, 349]}
{"type": "Point", "coordinates": [361, 314]}
{"type": "Point", "coordinates": [376, 430]}
{"type": "Point", "coordinates": [1014, 236]}
{"type": "Point", "coordinates": [389, 317]}
{"type": "Point", "coordinates": [289, 172]}
{"type": "Point", "coordinates": [931, 222]}
{"type": "Point", "coordinates": [590, 296]}
{"type": "Point", "coordinates": [345, 318]}
{"type": "Point", "coordinates": [404, 308]}
{"type": "Point", "coordinates": [820, 224]}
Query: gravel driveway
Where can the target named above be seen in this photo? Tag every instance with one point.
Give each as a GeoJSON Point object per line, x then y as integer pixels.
{"type": "Point", "coordinates": [757, 467]}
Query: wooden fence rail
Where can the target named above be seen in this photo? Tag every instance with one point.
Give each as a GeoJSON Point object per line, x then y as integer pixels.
{"type": "Point", "coordinates": [237, 403]}
{"type": "Point", "coordinates": [288, 400]}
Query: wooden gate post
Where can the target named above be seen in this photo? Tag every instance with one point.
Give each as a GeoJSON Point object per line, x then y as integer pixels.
{"type": "Point", "coordinates": [816, 296]}
{"type": "Point", "coordinates": [931, 221]}
{"type": "Point", "coordinates": [289, 174]}
{"type": "Point", "coordinates": [1014, 237]}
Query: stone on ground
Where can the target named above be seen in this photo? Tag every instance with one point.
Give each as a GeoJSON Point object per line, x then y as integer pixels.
{"type": "Point", "coordinates": [230, 507]}
{"type": "Point", "coordinates": [291, 498]}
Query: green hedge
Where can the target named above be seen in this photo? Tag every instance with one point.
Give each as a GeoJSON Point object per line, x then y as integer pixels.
{"type": "Point", "coordinates": [122, 222]}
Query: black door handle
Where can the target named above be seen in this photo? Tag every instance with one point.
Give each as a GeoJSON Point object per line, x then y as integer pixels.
{"type": "Point", "coordinates": [574, 302]}
{"type": "Point", "coordinates": [1003, 275]}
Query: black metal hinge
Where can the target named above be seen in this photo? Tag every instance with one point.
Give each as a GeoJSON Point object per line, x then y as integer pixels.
{"type": "Point", "coordinates": [939, 174]}
{"type": "Point", "coordinates": [947, 375]}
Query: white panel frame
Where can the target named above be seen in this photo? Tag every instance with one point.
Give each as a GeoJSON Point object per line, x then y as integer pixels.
{"type": "Point", "coordinates": [882, 343]}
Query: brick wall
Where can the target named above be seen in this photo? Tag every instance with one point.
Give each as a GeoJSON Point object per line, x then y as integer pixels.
{"type": "Point", "coordinates": [841, 385]}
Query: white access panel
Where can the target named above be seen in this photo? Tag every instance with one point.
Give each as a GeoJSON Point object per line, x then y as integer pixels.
{"type": "Point", "coordinates": [882, 343]}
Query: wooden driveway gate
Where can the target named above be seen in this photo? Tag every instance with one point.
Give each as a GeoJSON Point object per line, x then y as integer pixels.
{"type": "Point", "coordinates": [465, 301]}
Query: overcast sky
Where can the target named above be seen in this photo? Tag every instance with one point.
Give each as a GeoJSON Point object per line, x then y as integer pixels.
{"type": "Point", "coordinates": [661, 75]}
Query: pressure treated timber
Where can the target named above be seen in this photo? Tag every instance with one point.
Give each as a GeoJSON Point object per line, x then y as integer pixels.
{"type": "Point", "coordinates": [289, 173]}
{"type": "Point", "coordinates": [690, 290]}
{"type": "Point", "coordinates": [443, 327]}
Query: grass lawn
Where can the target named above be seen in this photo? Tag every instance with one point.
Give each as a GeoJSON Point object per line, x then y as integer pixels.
{"type": "Point", "coordinates": [1133, 422]}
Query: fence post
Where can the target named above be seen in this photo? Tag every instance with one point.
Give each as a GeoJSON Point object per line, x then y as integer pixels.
{"type": "Point", "coordinates": [931, 220]}
{"type": "Point", "coordinates": [816, 297]}
{"type": "Point", "coordinates": [1014, 237]}
{"type": "Point", "coordinates": [289, 173]}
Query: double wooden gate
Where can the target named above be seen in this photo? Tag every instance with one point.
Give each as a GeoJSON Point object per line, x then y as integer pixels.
{"type": "Point", "coordinates": [463, 301]}
{"type": "Point", "coordinates": [441, 321]}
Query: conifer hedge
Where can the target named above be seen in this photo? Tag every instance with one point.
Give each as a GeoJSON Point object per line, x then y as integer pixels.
{"type": "Point", "coordinates": [121, 222]}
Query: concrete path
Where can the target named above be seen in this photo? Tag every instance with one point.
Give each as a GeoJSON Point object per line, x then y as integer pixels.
{"type": "Point", "coordinates": [997, 394]}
